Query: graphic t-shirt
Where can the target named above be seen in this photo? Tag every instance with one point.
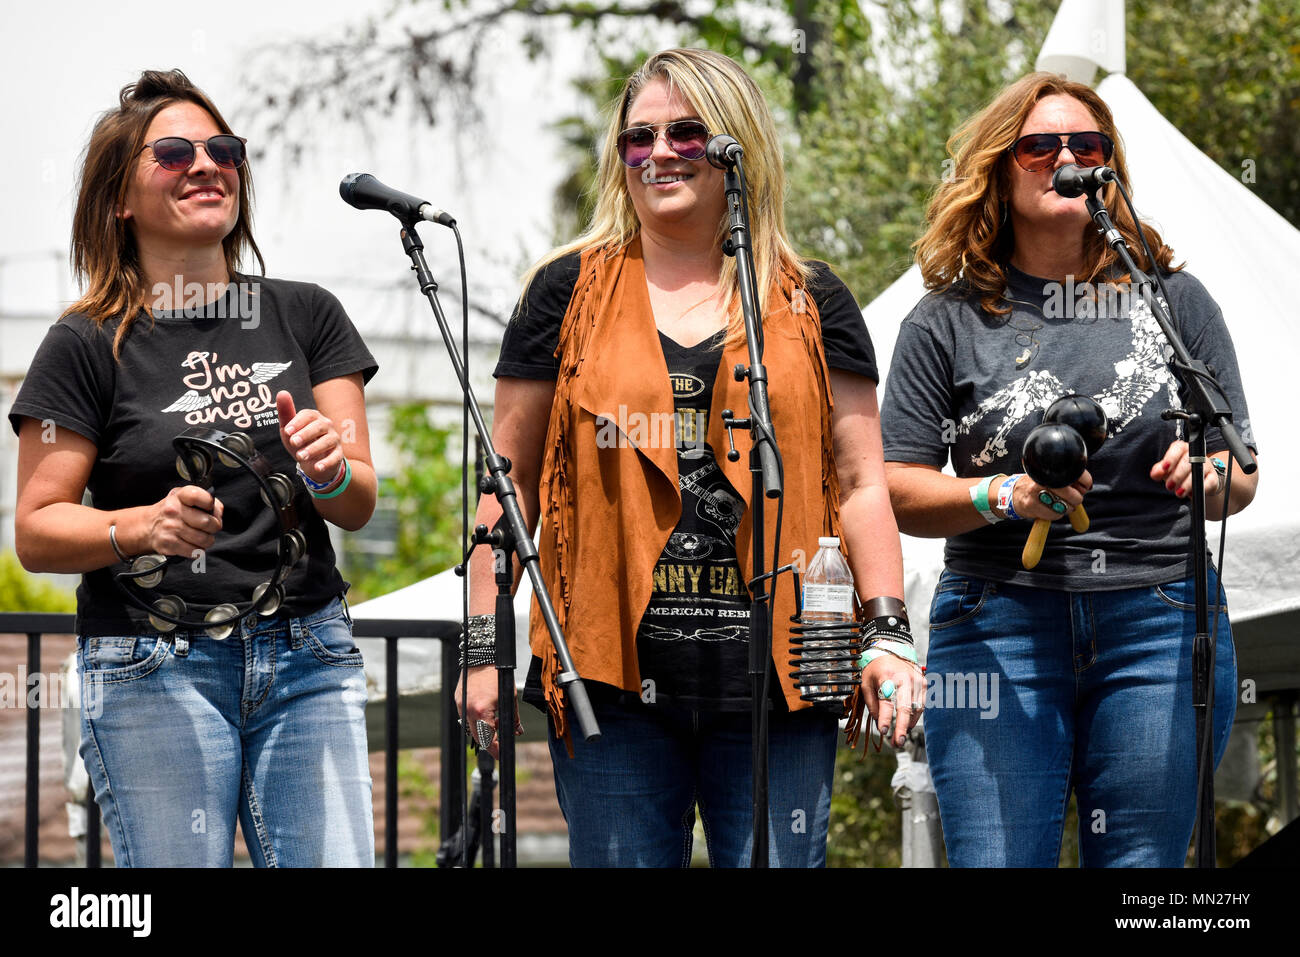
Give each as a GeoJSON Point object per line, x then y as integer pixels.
{"type": "Point", "coordinates": [972, 386]}
{"type": "Point", "coordinates": [692, 641]}
{"type": "Point", "coordinates": [218, 367]}
{"type": "Point", "coordinates": [693, 638]}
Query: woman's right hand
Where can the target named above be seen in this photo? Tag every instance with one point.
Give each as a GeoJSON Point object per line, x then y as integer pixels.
{"type": "Point", "coordinates": [188, 518]}
{"type": "Point", "coordinates": [1024, 497]}
{"type": "Point", "coordinates": [483, 705]}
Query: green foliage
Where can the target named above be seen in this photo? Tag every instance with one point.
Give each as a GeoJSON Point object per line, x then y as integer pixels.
{"type": "Point", "coordinates": [865, 828]}
{"type": "Point", "coordinates": [21, 591]}
{"type": "Point", "coordinates": [423, 501]}
{"type": "Point", "coordinates": [1227, 75]}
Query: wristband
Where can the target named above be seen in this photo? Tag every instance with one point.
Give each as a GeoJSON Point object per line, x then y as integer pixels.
{"type": "Point", "coordinates": [347, 479]}
{"type": "Point", "coordinates": [314, 486]}
{"type": "Point", "coordinates": [979, 496]}
{"type": "Point", "coordinates": [1004, 497]}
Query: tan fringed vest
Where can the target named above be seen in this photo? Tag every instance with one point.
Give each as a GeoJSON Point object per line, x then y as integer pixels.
{"type": "Point", "coordinates": [608, 508]}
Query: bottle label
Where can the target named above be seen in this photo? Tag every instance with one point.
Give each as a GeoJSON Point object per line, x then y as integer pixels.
{"type": "Point", "coordinates": [833, 599]}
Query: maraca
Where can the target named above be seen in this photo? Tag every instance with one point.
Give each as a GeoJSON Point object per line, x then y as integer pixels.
{"type": "Point", "coordinates": [1083, 414]}
{"type": "Point", "coordinates": [1055, 455]}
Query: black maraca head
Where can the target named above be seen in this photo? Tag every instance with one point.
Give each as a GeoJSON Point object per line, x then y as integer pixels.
{"type": "Point", "coordinates": [1054, 455]}
{"type": "Point", "coordinates": [1083, 414]}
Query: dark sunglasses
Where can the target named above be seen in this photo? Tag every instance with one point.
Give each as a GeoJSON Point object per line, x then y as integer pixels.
{"type": "Point", "coordinates": [177, 154]}
{"type": "Point", "coordinates": [687, 138]}
{"type": "Point", "coordinates": [1038, 151]}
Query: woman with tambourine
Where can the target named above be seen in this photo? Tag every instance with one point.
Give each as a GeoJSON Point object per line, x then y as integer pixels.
{"type": "Point", "coordinates": [193, 724]}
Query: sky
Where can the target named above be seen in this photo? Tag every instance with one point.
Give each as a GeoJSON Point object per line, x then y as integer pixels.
{"type": "Point", "coordinates": [63, 63]}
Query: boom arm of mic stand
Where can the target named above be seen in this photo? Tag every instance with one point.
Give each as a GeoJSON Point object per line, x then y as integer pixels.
{"type": "Point", "coordinates": [1203, 399]}
{"type": "Point", "coordinates": [504, 489]}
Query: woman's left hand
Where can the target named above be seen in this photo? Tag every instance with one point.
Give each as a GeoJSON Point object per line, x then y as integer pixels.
{"type": "Point", "coordinates": [1175, 470]}
{"type": "Point", "coordinates": [905, 704]}
{"type": "Point", "coordinates": [310, 438]}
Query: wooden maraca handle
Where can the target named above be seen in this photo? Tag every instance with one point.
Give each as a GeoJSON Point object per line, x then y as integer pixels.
{"type": "Point", "coordinates": [1034, 546]}
{"type": "Point", "coordinates": [1079, 518]}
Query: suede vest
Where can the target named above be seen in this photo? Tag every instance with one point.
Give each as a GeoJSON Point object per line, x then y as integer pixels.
{"type": "Point", "coordinates": [608, 486]}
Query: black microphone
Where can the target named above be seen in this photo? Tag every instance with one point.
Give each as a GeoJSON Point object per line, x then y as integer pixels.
{"type": "Point", "coordinates": [723, 151]}
{"type": "Point", "coordinates": [365, 192]}
{"type": "Point", "coordinates": [1071, 181]}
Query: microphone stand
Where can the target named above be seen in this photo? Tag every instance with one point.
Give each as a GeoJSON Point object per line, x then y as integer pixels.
{"type": "Point", "coordinates": [1206, 406]}
{"type": "Point", "coordinates": [767, 482]}
{"type": "Point", "coordinates": [511, 534]}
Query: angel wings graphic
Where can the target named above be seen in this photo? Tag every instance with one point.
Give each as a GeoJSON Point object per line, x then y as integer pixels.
{"type": "Point", "coordinates": [193, 399]}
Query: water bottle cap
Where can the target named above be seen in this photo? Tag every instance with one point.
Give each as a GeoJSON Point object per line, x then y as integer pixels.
{"type": "Point", "coordinates": [828, 541]}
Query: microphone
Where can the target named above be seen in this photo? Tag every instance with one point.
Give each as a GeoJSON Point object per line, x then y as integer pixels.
{"type": "Point", "coordinates": [723, 151]}
{"type": "Point", "coordinates": [363, 191]}
{"type": "Point", "coordinates": [1071, 181]}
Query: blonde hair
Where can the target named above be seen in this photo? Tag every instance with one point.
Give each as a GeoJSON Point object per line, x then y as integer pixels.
{"type": "Point", "coordinates": [727, 101]}
{"type": "Point", "coordinates": [968, 241]}
{"type": "Point", "coordinates": [104, 253]}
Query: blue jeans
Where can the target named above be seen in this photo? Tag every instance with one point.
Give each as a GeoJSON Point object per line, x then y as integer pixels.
{"type": "Point", "coordinates": [630, 798]}
{"type": "Point", "coordinates": [1089, 691]}
{"type": "Point", "coordinates": [182, 734]}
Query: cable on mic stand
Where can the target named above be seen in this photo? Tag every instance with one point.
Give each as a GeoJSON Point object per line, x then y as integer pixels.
{"type": "Point", "coordinates": [1207, 405]}
{"type": "Point", "coordinates": [511, 532]}
{"type": "Point", "coordinates": [768, 470]}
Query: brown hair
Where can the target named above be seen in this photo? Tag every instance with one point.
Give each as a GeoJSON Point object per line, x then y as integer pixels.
{"type": "Point", "coordinates": [967, 239]}
{"type": "Point", "coordinates": [104, 254]}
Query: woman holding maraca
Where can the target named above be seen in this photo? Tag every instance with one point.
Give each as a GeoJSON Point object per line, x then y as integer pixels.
{"type": "Point", "coordinates": [1088, 652]}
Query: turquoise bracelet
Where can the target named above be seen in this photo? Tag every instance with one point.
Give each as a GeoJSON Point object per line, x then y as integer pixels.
{"type": "Point", "coordinates": [886, 647]}
{"type": "Point", "coordinates": [347, 479]}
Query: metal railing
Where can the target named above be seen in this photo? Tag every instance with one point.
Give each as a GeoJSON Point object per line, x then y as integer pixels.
{"type": "Point", "coordinates": [35, 625]}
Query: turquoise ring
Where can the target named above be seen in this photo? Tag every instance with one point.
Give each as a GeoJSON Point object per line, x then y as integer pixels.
{"type": "Point", "coordinates": [1052, 502]}
{"type": "Point", "coordinates": [887, 690]}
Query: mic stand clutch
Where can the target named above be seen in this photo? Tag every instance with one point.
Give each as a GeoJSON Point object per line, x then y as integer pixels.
{"type": "Point", "coordinates": [765, 466]}
{"type": "Point", "coordinates": [511, 535]}
{"type": "Point", "coordinates": [1206, 406]}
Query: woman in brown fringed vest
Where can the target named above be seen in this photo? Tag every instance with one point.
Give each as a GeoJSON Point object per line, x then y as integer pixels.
{"type": "Point", "coordinates": [612, 378]}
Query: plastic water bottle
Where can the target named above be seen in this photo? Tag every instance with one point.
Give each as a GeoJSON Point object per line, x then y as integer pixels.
{"type": "Point", "coordinates": [827, 597]}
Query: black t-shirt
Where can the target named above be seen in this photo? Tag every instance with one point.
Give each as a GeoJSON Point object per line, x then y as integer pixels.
{"type": "Point", "coordinates": [220, 367]}
{"type": "Point", "coordinates": [972, 385]}
{"type": "Point", "coordinates": [692, 641]}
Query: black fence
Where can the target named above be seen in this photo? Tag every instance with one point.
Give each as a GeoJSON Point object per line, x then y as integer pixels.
{"type": "Point", "coordinates": [453, 769]}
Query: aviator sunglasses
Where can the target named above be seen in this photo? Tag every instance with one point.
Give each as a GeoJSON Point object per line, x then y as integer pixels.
{"type": "Point", "coordinates": [687, 138]}
{"type": "Point", "coordinates": [1038, 151]}
{"type": "Point", "coordinates": [177, 154]}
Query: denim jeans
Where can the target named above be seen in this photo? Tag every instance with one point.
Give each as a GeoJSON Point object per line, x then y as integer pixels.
{"type": "Point", "coordinates": [1089, 691]}
{"type": "Point", "coordinates": [183, 733]}
{"type": "Point", "coordinates": [630, 798]}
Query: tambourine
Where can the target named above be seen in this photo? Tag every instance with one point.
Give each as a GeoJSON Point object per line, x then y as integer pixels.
{"type": "Point", "coordinates": [198, 453]}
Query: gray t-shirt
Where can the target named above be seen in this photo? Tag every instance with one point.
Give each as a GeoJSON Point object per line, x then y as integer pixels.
{"type": "Point", "coordinates": [970, 385]}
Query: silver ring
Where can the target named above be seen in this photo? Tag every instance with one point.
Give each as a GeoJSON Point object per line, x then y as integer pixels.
{"type": "Point", "coordinates": [485, 733]}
